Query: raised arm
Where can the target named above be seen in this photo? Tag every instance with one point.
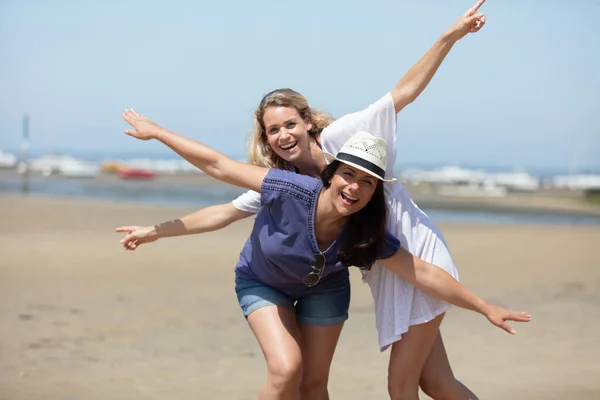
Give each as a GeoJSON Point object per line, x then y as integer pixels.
{"type": "Point", "coordinates": [442, 285]}
{"type": "Point", "coordinates": [212, 162]}
{"type": "Point", "coordinates": [418, 77]}
{"type": "Point", "coordinates": [205, 220]}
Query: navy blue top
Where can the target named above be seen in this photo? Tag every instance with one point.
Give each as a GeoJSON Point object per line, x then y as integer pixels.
{"type": "Point", "coordinates": [281, 247]}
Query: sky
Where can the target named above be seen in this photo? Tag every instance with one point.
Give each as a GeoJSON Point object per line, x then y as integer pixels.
{"type": "Point", "coordinates": [524, 92]}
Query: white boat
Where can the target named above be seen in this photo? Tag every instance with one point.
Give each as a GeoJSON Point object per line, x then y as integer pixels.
{"type": "Point", "coordinates": [7, 160]}
{"type": "Point", "coordinates": [474, 180]}
{"type": "Point", "coordinates": [49, 164]}
{"type": "Point", "coordinates": [64, 165]}
{"type": "Point", "coordinates": [159, 166]}
{"type": "Point", "coordinates": [448, 175]}
{"type": "Point", "coordinates": [577, 182]}
{"type": "Point", "coordinates": [515, 181]}
{"type": "Point", "coordinates": [487, 189]}
{"type": "Point", "coordinates": [79, 169]}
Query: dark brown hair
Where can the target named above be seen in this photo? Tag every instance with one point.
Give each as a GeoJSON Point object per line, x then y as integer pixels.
{"type": "Point", "coordinates": [365, 230]}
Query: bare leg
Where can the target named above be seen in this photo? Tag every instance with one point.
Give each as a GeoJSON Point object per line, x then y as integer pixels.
{"type": "Point", "coordinates": [318, 345]}
{"type": "Point", "coordinates": [407, 358]}
{"type": "Point", "coordinates": [437, 379]}
{"type": "Point", "coordinates": [277, 332]}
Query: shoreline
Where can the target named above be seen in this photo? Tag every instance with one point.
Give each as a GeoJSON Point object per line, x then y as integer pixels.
{"type": "Point", "coordinates": [172, 211]}
{"type": "Point", "coordinates": [541, 202]}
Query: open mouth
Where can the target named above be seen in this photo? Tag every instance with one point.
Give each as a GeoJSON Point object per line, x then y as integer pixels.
{"type": "Point", "coordinates": [288, 146]}
{"type": "Point", "coordinates": [348, 200]}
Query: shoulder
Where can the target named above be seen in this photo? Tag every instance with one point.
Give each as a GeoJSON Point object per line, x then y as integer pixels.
{"type": "Point", "coordinates": [279, 177]}
{"type": "Point", "coordinates": [379, 119]}
{"type": "Point", "coordinates": [279, 182]}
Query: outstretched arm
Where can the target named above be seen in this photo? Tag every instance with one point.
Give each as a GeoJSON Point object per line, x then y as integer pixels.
{"type": "Point", "coordinates": [213, 163]}
{"type": "Point", "coordinates": [205, 220]}
{"type": "Point", "coordinates": [418, 77]}
{"type": "Point", "coordinates": [442, 285]}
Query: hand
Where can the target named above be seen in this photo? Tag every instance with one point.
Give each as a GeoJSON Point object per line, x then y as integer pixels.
{"type": "Point", "coordinates": [498, 316]}
{"type": "Point", "coordinates": [137, 235]}
{"type": "Point", "coordinates": [469, 22]}
{"type": "Point", "coordinates": [145, 129]}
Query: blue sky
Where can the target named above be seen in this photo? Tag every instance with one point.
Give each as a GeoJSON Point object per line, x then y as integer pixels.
{"type": "Point", "coordinates": [525, 91]}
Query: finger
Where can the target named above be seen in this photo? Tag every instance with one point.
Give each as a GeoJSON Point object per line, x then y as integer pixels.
{"type": "Point", "coordinates": [474, 18]}
{"type": "Point", "coordinates": [125, 229]}
{"type": "Point", "coordinates": [519, 317]}
{"type": "Point", "coordinates": [475, 7]}
{"type": "Point", "coordinates": [506, 327]}
{"type": "Point", "coordinates": [128, 118]}
{"type": "Point", "coordinates": [138, 115]}
{"type": "Point", "coordinates": [129, 238]}
{"type": "Point", "coordinates": [474, 22]}
{"type": "Point", "coordinates": [480, 22]}
{"type": "Point", "coordinates": [130, 132]}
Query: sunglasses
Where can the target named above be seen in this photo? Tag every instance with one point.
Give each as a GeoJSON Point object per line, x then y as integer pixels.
{"type": "Point", "coordinates": [314, 276]}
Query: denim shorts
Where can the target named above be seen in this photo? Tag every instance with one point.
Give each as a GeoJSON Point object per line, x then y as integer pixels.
{"type": "Point", "coordinates": [323, 308]}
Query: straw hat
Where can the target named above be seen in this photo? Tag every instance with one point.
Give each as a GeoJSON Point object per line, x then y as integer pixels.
{"type": "Point", "coordinates": [365, 152]}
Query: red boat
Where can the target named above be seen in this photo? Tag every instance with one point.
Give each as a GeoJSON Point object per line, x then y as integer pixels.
{"type": "Point", "coordinates": [134, 173]}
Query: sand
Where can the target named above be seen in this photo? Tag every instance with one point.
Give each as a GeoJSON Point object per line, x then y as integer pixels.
{"type": "Point", "coordinates": [82, 319]}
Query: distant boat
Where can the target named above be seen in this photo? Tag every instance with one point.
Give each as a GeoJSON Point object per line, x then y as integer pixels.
{"type": "Point", "coordinates": [79, 169]}
{"type": "Point", "coordinates": [161, 167]}
{"type": "Point", "coordinates": [577, 182]}
{"type": "Point", "coordinates": [112, 166]}
{"type": "Point", "coordinates": [7, 160]}
{"type": "Point", "coordinates": [447, 175]}
{"type": "Point", "coordinates": [488, 189]}
{"type": "Point", "coordinates": [473, 179]}
{"type": "Point", "coordinates": [67, 166]}
{"type": "Point", "coordinates": [516, 181]}
{"type": "Point", "coordinates": [136, 173]}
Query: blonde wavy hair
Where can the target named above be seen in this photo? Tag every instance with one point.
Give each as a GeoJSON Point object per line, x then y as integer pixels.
{"type": "Point", "coordinates": [259, 151]}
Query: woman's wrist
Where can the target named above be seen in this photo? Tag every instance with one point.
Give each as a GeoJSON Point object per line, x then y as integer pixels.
{"type": "Point", "coordinates": [158, 231]}
{"type": "Point", "coordinates": [167, 229]}
{"type": "Point", "coordinates": [483, 308]}
{"type": "Point", "coordinates": [160, 133]}
{"type": "Point", "coordinates": [449, 38]}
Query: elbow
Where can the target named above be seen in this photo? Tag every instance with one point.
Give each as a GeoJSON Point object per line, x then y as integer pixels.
{"type": "Point", "coordinates": [224, 222]}
{"type": "Point", "coordinates": [228, 214]}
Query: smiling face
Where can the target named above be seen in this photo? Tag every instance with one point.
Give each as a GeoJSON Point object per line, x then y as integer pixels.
{"type": "Point", "coordinates": [351, 189]}
{"type": "Point", "coordinates": [287, 133]}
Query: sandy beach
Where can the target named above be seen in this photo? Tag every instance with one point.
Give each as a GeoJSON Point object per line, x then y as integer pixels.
{"type": "Point", "coordinates": [80, 318]}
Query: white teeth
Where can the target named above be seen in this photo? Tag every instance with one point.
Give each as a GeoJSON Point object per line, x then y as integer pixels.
{"type": "Point", "coordinates": [347, 198]}
{"type": "Point", "coordinates": [288, 146]}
